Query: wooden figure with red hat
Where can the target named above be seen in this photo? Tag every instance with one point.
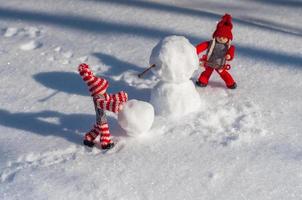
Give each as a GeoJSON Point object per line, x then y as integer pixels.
{"type": "Point", "coordinates": [219, 51]}
{"type": "Point", "coordinates": [102, 101]}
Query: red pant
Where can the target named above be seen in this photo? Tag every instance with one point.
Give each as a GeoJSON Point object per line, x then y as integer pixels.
{"type": "Point", "coordinates": [226, 76]}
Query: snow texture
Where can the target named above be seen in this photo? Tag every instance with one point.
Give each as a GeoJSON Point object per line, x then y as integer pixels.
{"type": "Point", "coordinates": [243, 144]}
{"type": "Point", "coordinates": [31, 45]}
{"type": "Point", "coordinates": [136, 117]}
{"type": "Point", "coordinates": [175, 59]}
{"type": "Point", "coordinates": [11, 31]}
{"type": "Point", "coordinates": [176, 100]}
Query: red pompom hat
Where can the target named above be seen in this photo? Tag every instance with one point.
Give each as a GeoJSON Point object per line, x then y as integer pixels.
{"type": "Point", "coordinates": [224, 27]}
{"type": "Point", "coordinates": [96, 85]}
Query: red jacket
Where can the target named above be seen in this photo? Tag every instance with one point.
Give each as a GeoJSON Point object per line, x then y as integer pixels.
{"type": "Point", "coordinates": [205, 45]}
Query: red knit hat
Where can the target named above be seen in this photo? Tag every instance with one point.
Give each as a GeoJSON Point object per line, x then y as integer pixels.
{"type": "Point", "coordinates": [224, 27]}
{"type": "Point", "coordinates": [96, 85]}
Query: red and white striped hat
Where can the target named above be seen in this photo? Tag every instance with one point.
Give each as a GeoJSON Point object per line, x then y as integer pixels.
{"type": "Point", "coordinates": [96, 85]}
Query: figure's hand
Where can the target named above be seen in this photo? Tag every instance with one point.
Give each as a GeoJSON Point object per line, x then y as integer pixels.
{"type": "Point", "coordinates": [204, 58]}
{"type": "Point", "coordinates": [228, 56]}
{"type": "Point", "coordinates": [124, 96]}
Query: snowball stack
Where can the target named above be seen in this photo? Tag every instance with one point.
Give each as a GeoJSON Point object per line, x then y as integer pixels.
{"type": "Point", "coordinates": [136, 117]}
{"type": "Point", "coordinates": [176, 60]}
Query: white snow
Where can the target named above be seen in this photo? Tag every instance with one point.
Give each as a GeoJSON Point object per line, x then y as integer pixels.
{"type": "Point", "coordinates": [68, 54]}
{"type": "Point", "coordinates": [11, 31]}
{"type": "Point", "coordinates": [136, 117]}
{"type": "Point", "coordinates": [31, 45]}
{"type": "Point", "coordinates": [83, 59]}
{"type": "Point", "coordinates": [33, 32]}
{"type": "Point", "coordinates": [175, 59]}
{"type": "Point", "coordinates": [58, 49]}
{"type": "Point", "coordinates": [243, 144]}
{"type": "Point", "coordinates": [176, 100]}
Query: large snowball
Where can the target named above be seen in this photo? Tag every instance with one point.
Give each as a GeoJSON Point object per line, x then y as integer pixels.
{"type": "Point", "coordinates": [136, 117]}
{"type": "Point", "coordinates": [175, 59]}
{"type": "Point", "coordinates": [175, 100]}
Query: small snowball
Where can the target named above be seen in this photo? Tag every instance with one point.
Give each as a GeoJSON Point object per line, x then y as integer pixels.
{"type": "Point", "coordinates": [175, 59]}
{"type": "Point", "coordinates": [136, 117]}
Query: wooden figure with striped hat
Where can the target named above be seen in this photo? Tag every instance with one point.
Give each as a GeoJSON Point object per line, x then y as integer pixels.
{"type": "Point", "coordinates": [102, 101]}
{"type": "Point", "coordinates": [219, 51]}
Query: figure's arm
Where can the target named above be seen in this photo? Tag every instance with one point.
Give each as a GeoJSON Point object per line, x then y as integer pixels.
{"type": "Point", "coordinates": [114, 103]}
{"type": "Point", "coordinates": [230, 53]}
{"type": "Point", "coordinates": [121, 96]}
{"type": "Point", "coordinates": [202, 46]}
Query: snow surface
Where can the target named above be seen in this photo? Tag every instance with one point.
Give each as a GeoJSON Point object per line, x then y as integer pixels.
{"type": "Point", "coordinates": [245, 144]}
{"type": "Point", "coordinates": [31, 45]}
{"type": "Point", "coordinates": [136, 117]}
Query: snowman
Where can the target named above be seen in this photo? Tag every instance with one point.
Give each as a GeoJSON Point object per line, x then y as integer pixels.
{"type": "Point", "coordinates": [174, 60]}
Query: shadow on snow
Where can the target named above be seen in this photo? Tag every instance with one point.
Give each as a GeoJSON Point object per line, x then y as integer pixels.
{"type": "Point", "coordinates": [98, 26]}
{"type": "Point", "coordinates": [67, 126]}
{"type": "Point", "coordinates": [203, 13]}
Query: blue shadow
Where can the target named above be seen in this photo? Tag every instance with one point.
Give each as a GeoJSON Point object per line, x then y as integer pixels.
{"type": "Point", "coordinates": [67, 82]}
{"type": "Point", "coordinates": [70, 127]}
{"type": "Point", "coordinates": [118, 66]}
{"type": "Point", "coordinates": [291, 3]}
{"type": "Point", "coordinates": [72, 83]}
{"type": "Point", "coordinates": [99, 26]}
{"type": "Point", "coordinates": [66, 128]}
{"type": "Point", "coordinates": [82, 23]}
{"type": "Point", "coordinates": [202, 13]}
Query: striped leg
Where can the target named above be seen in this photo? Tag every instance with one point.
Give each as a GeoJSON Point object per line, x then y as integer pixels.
{"type": "Point", "coordinates": [106, 142]}
{"type": "Point", "coordinates": [90, 137]}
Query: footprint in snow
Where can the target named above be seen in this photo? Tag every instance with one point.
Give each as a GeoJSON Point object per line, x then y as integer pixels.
{"type": "Point", "coordinates": [67, 54]}
{"type": "Point", "coordinates": [11, 31]}
{"type": "Point", "coordinates": [40, 160]}
{"type": "Point", "coordinates": [31, 45]}
{"type": "Point", "coordinates": [83, 59]}
{"type": "Point", "coordinates": [58, 49]}
{"type": "Point", "coordinates": [32, 32]}
{"type": "Point", "coordinates": [63, 56]}
{"type": "Point", "coordinates": [66, 57]}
